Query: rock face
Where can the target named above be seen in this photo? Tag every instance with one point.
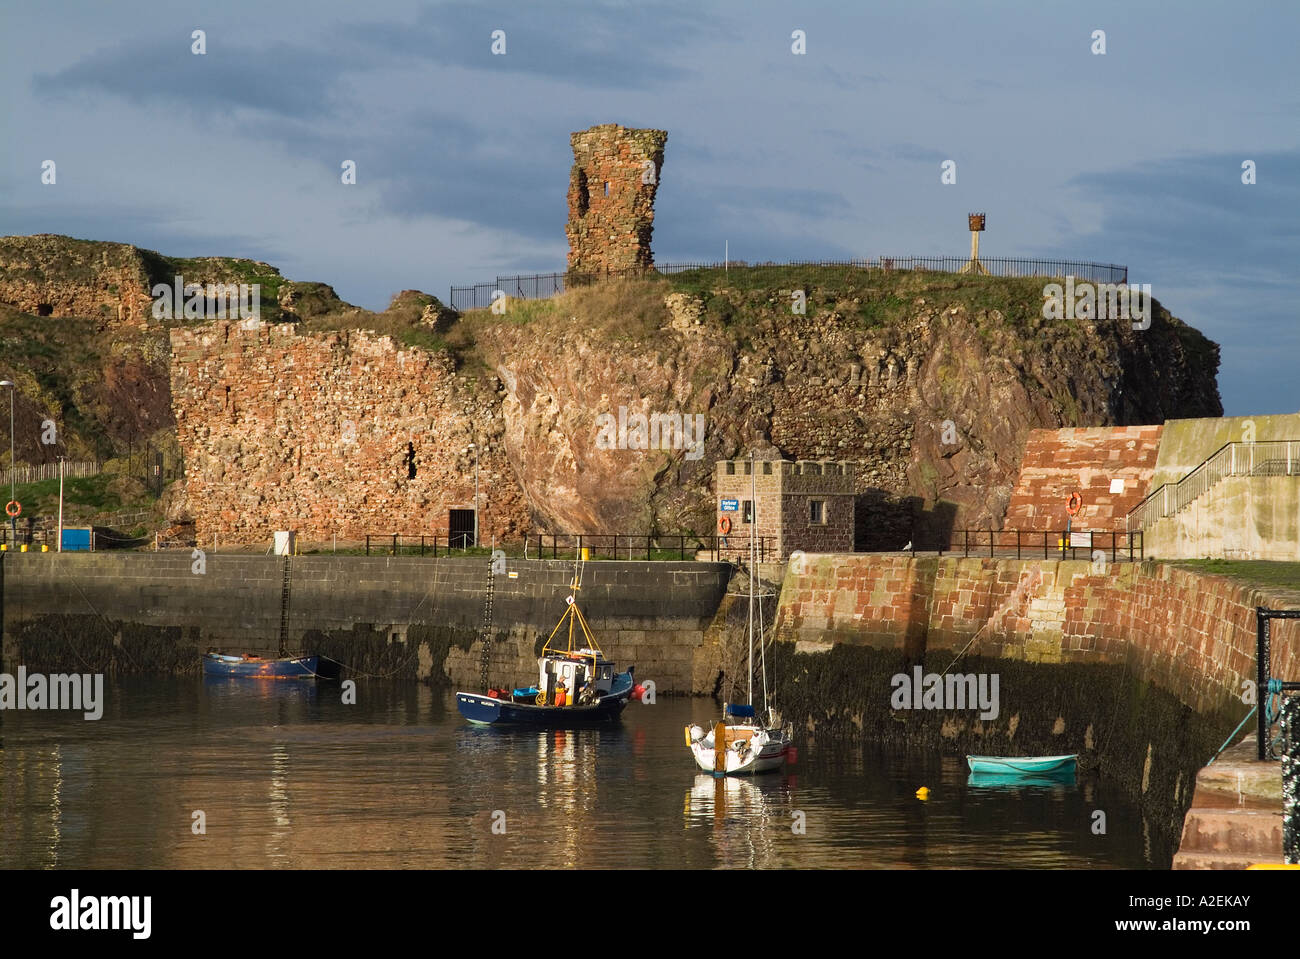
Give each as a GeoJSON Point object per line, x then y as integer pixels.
{"type": "Point", "coordinates": [49, 275]}
{"type": "Point", "coordinates": [317, 433]}
{"type": "Point", "coordinates": [611, 197]}
{"type": "Point", "coordinates": [935, 406]}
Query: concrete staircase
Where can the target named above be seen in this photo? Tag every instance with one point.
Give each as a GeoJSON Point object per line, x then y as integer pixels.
{"type": "Point", "coordinates": [1235, 820]}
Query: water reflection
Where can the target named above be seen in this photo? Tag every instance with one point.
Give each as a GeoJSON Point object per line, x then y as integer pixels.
{"type": "Point", "coordinates": [288, 776]}
{"type": "Point", "coordinates": [746, 818]}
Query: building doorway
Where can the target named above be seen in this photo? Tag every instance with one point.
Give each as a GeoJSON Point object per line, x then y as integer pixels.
{"type": "Point", "coordinates": [460, 523]}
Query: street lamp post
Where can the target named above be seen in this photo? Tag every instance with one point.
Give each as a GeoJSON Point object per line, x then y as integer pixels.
{"type": "Point", "coordinates": [13, 520]}
{"type": "Point", "coordinates": [474, 447]}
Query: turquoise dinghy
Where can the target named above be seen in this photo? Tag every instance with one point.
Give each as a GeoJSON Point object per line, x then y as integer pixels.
{"type": "Point", "coordinates": [1023, 765]}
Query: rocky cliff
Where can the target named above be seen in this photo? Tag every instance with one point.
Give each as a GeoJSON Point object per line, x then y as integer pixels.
{"type": "Point", "coordinates": [930, 381]}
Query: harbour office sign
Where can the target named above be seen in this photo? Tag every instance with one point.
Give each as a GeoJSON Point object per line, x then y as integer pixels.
{"type": "Point", "coordinates": [83, 692]}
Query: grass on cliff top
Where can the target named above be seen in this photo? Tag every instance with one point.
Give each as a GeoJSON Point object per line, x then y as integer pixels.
{"type": "Point", "coordinates": [82, 497]}
{"type": "Point", "coordinates": [1255, 572]}
{"type": "Point", "coordinates": [633, 308]}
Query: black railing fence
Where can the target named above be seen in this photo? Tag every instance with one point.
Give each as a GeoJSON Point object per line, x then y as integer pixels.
{"type": "Point", "coordinates": [1030, 544]}
{"type": "Point", "coordinates": [535, 286]}
{"type": "Point", "coordinates": [625, 546]}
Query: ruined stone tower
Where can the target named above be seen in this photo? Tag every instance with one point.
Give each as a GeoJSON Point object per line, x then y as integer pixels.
{"type": "Point", "coordinates": [611, 197]}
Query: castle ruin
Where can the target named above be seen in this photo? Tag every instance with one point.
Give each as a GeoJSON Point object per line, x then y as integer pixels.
{"type": "Point", "coordinates": [611, 197]}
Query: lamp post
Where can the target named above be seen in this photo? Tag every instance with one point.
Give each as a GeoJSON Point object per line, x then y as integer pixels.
{"type": "Point", "coordinates": [13, 520]}
{"type": "Point", "coordinates": [474, 447]}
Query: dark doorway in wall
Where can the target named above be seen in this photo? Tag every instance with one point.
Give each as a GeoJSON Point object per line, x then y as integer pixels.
{"type": "Point", "coordinates": [460, 522]}
{"type": "Point", "coordinates": [410, 461]}
{"type": "Point", "coordinates": [44, 309]}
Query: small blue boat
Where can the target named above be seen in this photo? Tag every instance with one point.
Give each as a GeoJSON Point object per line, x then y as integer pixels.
{"type": "Point", "coordinates": [250, 666]}
{"type": "Point", "coordinates": [1024, 765]}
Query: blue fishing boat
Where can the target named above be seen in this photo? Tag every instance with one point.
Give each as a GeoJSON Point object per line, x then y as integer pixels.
{"type": "Point", "coordinates": [1024, 765]}
{"type": "Point", "coordinates": [251, 666]}
{"type": "Point", "coordinates": [576, 684]}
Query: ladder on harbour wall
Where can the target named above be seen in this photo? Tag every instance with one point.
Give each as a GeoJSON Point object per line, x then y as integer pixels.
{"type": "Point", "coordinates": [487, 625]}
{"type": "Point", "coordinates": [284, 609]}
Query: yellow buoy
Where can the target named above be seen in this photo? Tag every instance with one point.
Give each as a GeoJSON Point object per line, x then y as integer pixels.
{"type": "Point", "coordinates": [923, 794]}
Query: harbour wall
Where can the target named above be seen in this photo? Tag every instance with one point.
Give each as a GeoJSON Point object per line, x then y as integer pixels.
{"type": "Point", "coordinates": [1138, 668]}
{"type": "Point", "coordinates": [400, 617]}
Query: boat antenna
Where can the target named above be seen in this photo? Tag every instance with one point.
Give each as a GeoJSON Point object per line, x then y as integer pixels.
{"type": "Point", "coordinates": [753, 553]}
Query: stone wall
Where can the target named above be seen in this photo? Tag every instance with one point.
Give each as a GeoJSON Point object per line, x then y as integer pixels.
{"type": "Point", "coordinates": [1088, 460]}
{"type": "Point", "coordinates": [1191, 634]}
{"type": "Point", "coordinates": [405, 617]}
{"type": "Point", "coordinates": [611, 197]}
{"type": "Point", "coordinates": [315, 432]}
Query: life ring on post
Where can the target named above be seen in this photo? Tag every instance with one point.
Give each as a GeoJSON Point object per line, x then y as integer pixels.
{"type": "Point", "coordinates": [1074, 503]}
{"type": "Point", "coordinates": [13, 508]}
{"type": "Point", "coordinates": [724, 525]}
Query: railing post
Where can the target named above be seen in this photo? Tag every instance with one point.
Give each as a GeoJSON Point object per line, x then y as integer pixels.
{"type": "Point", "coordinates": [1017, 544]}
{"type": "Point", "coordinates": [1261, 681]}
{"type": "Point", "coordinates": [367, 544]}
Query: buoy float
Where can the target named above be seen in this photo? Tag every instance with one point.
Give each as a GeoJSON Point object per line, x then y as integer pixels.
{"type": "Point", "coordinates": [13, 508]}
{"type": "Point", "coordinates": [637, 692]}
{"type": "Point", "coordinates": [724, 525]}
{"type": "Point", "coordinates": [923, 794]}
{"type": "Point", "coordinates": [1074, 503]}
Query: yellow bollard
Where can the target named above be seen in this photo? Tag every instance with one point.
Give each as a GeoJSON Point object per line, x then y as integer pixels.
{"type": "Point", "coordinates": [584, 554]}
{"type": "Point", "coordinates": [45, 547]}
{"type": "Point", "coordinates": [4, 547]}
{"type": "Point", "coordinates": [23, 547]}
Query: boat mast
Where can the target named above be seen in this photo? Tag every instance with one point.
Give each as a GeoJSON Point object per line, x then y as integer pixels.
{"type": "Point", "coordinates": [753, 553]}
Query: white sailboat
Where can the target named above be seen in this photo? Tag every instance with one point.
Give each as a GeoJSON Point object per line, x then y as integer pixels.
{"type": "Point", "coordinates": [741, 743]}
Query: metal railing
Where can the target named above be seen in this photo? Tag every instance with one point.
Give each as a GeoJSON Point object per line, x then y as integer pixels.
{"type": "Point", "coordinates": [397, 544]}
{"type": "Point", "coordinates": [1118, 545]}
{"type": "Point", "coordinates": [46, 471]}
{"type": "Point", "coordinates": [541, 285]}
{"type": "Point", "coordinates": [1266, 458]}
{"type": "Point", "coordinates": [623, 546]}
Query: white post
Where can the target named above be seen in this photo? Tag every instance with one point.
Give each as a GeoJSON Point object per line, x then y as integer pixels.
{"type": "Point", "coordinates": [61, 506]}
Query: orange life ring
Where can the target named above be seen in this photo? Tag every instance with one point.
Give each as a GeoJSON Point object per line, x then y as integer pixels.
{"type": "Point", "coordinates": [724, 525]}
{"type": "Point", "coordinates": [13, 508]}
{"type": "Point", "coordinates": [1074, 504]}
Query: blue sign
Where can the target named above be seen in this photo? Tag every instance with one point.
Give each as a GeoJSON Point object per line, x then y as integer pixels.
{"type": "Point", "coordinates": [731, 506]}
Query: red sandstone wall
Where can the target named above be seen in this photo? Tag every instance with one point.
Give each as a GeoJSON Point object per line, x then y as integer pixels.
{"type": "Point", "coordinates": [314, 430]}
{"type": "Point", "coordinates": [1191, 634]}
{"type": "Point", "coordinates": [612, 231]}
{"type": "Point", "coordinates": [1058, 462]}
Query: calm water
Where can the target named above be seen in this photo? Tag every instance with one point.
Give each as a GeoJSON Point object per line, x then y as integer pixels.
{"type": "Point", "coordinates": [288, 776]}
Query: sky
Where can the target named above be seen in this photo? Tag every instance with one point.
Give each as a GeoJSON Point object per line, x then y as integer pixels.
{"type": "Point", "coordinates": [462, 156]}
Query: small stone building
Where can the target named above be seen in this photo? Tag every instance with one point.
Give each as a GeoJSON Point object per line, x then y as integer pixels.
{"type": "Point", "coordinates": [805, 505]}
{"type": "Point", "coordinates": [611, 198]}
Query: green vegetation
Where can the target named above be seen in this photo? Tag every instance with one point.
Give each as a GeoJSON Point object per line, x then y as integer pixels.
{"type": "Point", "coordinates": [1255, 572]}
{"type": "Point", "coordinates": [84, 498]}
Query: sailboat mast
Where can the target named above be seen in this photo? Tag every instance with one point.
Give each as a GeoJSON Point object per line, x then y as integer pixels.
{"type": "Point", "coordinates": [753, 554]}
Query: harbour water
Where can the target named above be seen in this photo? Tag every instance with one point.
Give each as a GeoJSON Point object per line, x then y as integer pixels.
{"type": "Point", "coordinates": [286, 775]}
